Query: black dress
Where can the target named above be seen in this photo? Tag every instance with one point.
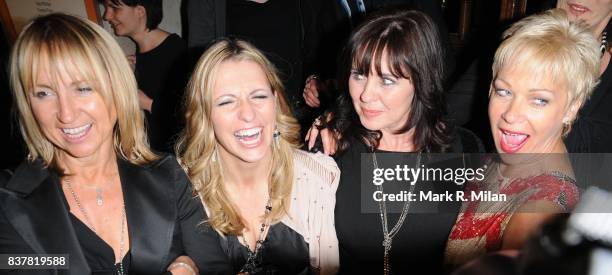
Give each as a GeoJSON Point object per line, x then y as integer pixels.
{"type": "Point", "coordinates": [418, 247]}
{"type": "Point", "coordinates": [161, 74]}
{"type": "Point", "coordinates": [592, 130]}
{"type": "Point", "coordinates": [99, 255]}
{"type": "Point", "coordinates": [284, 252]}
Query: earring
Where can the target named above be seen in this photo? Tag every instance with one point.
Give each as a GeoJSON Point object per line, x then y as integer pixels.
{"type": "Point", "coordinates": [213, 158]}
{"type": "Point", "coordinates": [567, 127]}
{"type": "Point", "coordinates": [276, 136]}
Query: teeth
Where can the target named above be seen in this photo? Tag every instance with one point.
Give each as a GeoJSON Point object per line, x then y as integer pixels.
{"type": "Point", "coordinates": [514, 139]}
{"type": "Point", "coordinates": [76, 131]}
{"type": "Point", "coordinates": [248, 132]}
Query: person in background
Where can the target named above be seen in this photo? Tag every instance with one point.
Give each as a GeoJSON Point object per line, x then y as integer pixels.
{"type": "Point", "coordinates": [159, 65]}
{"type": "Point", "coordinates": [91, 188]}
{"type": "Point", "coordinates": [286, 31]}
{"type": "Point", "coordinates": [543, 72]}
{"type": "Point", "coordinates": [271, 202]}
{"type": "Point", "coordinates": [591, 132]}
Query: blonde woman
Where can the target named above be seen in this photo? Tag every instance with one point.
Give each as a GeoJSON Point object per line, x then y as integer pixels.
{"type": "Point", "coordinates": [544, 70]}
{"type": "Point", "coordinates": [91, 188]}
{"type": "Point", "coordinates": [272, 204]}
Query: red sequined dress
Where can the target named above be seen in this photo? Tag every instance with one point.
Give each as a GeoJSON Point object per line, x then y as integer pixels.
{"type": "Point", "coordinates": [480, 225]}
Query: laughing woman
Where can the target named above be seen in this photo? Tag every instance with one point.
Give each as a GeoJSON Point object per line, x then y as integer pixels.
{"type": "Point", "coordinates": [91, 188]}
{"type": "Point", "coordinates": [272, 204]}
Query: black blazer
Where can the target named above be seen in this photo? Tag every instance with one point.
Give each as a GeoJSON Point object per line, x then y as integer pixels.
{"type": "Point", "coordinates": [163, 219]}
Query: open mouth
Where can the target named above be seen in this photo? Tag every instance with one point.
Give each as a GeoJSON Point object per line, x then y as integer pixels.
{"type": "Point", "coordinates": [577, 10]}
{"type": "Point", "coordinates": [77, 132]}
{"type": "Point", "coordinates": [512, 142]}
{"type": "Point", "coordinates": [249, 137]}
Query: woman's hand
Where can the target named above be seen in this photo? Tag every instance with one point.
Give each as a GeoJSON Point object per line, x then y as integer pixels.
{"type": "Point", "coordinates": [311, 92]}
{"type": "Point", "coordinates": [145, 102]}
{"type": "Point", "coordinates": [328, 138]}
{"type": "Point", "coordinates": [132, 60]}
{"type": "Point", "coordinates": [183, 265]}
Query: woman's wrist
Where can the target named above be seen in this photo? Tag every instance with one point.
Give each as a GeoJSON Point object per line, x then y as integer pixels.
{"type": "Point", "coordinates": [185, 266]}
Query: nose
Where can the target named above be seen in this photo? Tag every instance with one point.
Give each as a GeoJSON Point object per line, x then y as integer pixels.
{"type": "Point", "coordinates": [369, 91]}
{"type": "Point", "coordinates": [108, 14]}
{"type": "Point", "coordinates": [67, 112]}
{"type": "Point", "coordinates": [246, 112]}
{"type": "Point", "coordinates": [513, 112]}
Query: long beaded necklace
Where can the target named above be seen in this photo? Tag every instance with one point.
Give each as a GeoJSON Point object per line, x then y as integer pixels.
{"type": "Point", "coordinates": [121, 271]}
{"type": "Point", "coordinates": [388, 235]}
{"type": "Point", "coordinates": [253, 259]}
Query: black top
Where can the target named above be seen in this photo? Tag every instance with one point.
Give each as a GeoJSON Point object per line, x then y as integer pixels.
{"type": "Point", "coordinates": [279, 28]}
{"type": "Point", "coordinates": [418, 246]}
{"type": "Point", "coordinates": [162, 216]}
{"type": "Point", "coordinates": [592, 130]}
{"type": "Point", "coordinates": [161, 74]}
{"type": "Point", "coordinates": [284, 251]}
{"type": "Point", "coordinates": [98, 254]}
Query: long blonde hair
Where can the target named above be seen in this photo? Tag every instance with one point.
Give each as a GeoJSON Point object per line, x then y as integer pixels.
{"type": "Point", "coordinates": [85, 49]}
{"type": "Point", "coordinates": [197, 143]}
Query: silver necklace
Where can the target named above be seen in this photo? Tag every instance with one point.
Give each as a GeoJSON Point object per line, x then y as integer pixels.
{"type": "Point", "coordinates": [252, 261]}
{"type": "Point", "coordinates": [121, 271]}
{"type": "Point", "coordinates": [388, 235]}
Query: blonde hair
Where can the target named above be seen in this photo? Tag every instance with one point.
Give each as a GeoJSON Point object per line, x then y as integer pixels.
{"type": "Point", "coordinates": [197, 143]}
{"type": "Point", "coordinates": [550, 43]}
{"type": "Point", "coordinates": [87, 50]}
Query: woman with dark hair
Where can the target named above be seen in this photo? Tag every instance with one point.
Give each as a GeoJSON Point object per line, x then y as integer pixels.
{"type": "Point", "coordinates": [394, 103]}
{"type": "Point", "coordinates": [159, 65]}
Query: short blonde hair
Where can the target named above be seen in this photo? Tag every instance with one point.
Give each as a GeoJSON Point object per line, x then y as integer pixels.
{"type": "Point", "coordinates": [87, 50]}
{"type": "Point", "coordinates": [550, 43]}
{"type": "Point", "coordinates": [197, 143]}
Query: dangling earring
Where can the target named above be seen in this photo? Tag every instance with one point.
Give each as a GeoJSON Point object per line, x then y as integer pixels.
{"type": "Point", "coordinates": [567, 127]}
{"type": "Point", "coordinates": [213, 158]}
{"type": "Point", "coordinates": [276, 136]}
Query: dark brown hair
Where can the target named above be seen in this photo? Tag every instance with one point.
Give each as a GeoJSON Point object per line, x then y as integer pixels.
{"type": "Point", "coordinates": [412, 45]}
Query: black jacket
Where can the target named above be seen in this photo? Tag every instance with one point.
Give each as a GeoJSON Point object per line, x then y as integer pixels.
{"type": "Point", "coordinates": [162, 215]}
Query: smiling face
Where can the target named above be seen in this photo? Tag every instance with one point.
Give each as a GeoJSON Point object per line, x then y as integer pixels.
{"type": "Point", "coordinates": [381, 101]}
{"type": "Point", "coordinates": [243, 111]}
{"type": "Point", "coordinates": [527, 112]}
{"type": "Point", "coordinates": [125, 20]}
{"type": "Point", "coordinates": [595, 13]}
{"type": "Point", "coordinates": [71, 114]}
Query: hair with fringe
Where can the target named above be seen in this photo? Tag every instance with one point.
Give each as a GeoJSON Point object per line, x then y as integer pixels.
{"type": "Point", "coordinates": [550, 43]}
{"type": "Point", "coordinates": [197, 142]}
{"type": "Point", "coordinates": [153, 8]}
{"type": "Point", "coordinates": [86, 50]}
{"type": "Point", "coordinates": [414, 51]}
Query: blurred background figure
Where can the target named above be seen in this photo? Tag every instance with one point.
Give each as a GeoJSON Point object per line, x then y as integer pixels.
{"type": "Point", "coordinates": [284, 30]}
{"type": "Point", "coordinates": [592, 131]}
{"type": "Point", "coordinates": [159, 65]}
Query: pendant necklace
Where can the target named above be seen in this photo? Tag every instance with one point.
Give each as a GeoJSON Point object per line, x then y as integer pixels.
{"type": "Point", "coordinates": [89, 224]}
